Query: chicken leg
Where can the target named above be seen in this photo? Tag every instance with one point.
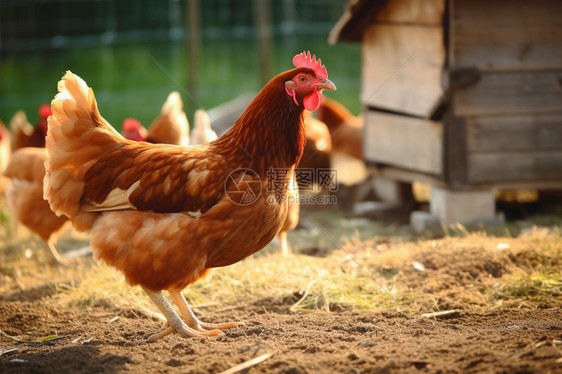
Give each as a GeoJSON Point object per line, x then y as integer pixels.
{"type": "Point", "coordinates": [285, 250]}
{"type": "Point", "coordinates": [192, 321]}
{"type": "Point", "coordinates": [56, 257]}
{"type": "Point", "coordinates": [175, 323]}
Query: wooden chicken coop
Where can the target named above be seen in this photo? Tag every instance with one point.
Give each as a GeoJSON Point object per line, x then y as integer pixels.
{"type": "Point", "coordinates": [465, 95]}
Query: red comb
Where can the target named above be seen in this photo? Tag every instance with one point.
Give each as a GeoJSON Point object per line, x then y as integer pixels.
{"type": "Point", "coordinates": [45, 110]}
{"type": "Point", "coordinates": [131, 124]}
{"type": "Point", "coordinates": [304, 60]}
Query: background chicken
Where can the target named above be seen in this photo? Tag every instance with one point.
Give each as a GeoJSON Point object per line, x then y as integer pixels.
{"type": "Point", "coordinates": [202, 132]}
{"type": "Point", "coordinates": [24, 197]}
{"type": "Point", "coordinates": [25, 172]}
{"type": "Point", "coordinates": [171, 126]}
{"type": "Point", "coordinates": [346, 130]}
{"type": "Point", "coordinates": [165, 215]}
{"type": "Point", "coordinates": [24, 134]}
{"type": "Point", "coordinates": [134, 130]}
{"type": "Point", "coordinates": [317, 152]}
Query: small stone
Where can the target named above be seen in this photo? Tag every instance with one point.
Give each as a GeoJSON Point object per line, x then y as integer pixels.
{"type": "Point", "coordinates": [174, 363]}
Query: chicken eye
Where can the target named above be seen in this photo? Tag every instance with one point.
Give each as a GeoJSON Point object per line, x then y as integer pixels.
{"type": "Point", "coordinates": [302, 78]}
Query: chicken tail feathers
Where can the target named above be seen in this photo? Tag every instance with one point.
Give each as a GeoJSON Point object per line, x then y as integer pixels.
{"type": "Point", "coordinates": [173, 103]}
{"type": "Point", "coordinates": [77, 136]}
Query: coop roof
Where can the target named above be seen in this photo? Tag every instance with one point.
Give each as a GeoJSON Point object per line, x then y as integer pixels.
{"type": "Point", "coordinates": [358, 14]}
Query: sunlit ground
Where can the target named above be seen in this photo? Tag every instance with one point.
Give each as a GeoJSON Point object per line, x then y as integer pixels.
{"type": "Point", "coordinates": [356, 264]}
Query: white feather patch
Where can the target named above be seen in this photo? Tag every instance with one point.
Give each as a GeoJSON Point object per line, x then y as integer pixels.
{"type": "Point", "coordinates": [118, 199]}
{"type": "Point", "coordinates": [195, 214]}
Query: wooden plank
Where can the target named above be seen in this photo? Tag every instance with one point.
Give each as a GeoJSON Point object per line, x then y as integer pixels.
{"type": "Point", "coordinates": [402, 67]}
{"type": "Point", "coordinates": [427, 12]}
{"type": "Point", "coordinates": [505, 13]}
{"type": "Point", "coordinates": [460, 77]}
{"type": "Point", "coordinates": [540, 132]}
{"type": "Point", "coordinates": [404, 175]}
{"type": "Point", "coordinates": [402, 141]}
{"type": "Point", "coordinates": [511, 93]}
{"type": "Point", "coordinates": [506, 35]}
{"type": "Point", "coordinates": [499, 167]}
{"type": "Point", "coordinates": [529, 184]}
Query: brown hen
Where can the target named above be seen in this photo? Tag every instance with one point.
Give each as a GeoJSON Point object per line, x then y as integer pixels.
{"type": "Point", "coordinates": [24, 197]}
{"type": "Point", "coordinates": [165, 215]}
{"type": "Point", "coordinates": [171, 126]}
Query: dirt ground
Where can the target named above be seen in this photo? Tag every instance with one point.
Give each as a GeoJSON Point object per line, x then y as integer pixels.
{"type": "Point", "coordinates": [94, 341]}
{"type": "Point", "coordinates": [502, 294]}
{"type": "Point", "coordinates": [514, 337]}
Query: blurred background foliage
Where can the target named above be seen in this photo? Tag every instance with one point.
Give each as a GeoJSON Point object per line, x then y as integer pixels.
{"type": "Point", "coordinates": [134, 52]}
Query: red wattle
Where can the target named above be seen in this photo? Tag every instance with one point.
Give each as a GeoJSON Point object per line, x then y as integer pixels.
{"type": "Point", "coordinates": [312, 101]}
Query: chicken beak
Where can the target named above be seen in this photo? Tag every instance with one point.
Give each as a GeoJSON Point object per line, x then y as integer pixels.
{"type": "Point", "coordinates": [326, 84]}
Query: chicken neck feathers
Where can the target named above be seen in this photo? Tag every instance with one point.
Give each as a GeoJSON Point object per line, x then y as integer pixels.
{"type": "Point", "coordinates": [270, 132]}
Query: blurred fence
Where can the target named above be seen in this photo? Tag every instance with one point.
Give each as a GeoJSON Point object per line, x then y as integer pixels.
{"type": "Point", "coordinates": [134, 52]}
{"type": "Point", "coordinates": [42, 24]}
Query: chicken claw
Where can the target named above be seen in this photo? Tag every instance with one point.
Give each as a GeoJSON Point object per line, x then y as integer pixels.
{"type": "Point", "coordinates": [177, 325]}
{"type": "Point", "coordinates": [184, 331]}
{"type": "Point", "coordinates": [192, 321]}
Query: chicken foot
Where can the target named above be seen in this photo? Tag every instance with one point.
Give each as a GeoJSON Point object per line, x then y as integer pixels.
{"type": "Point", "coordinates": [190, 318]}
{"type": "Point", "coordinates": [175, 323]}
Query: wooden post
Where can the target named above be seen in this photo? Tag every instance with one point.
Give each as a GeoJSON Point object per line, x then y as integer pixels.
{"type": "Point", "coordinates": [193, 43]}
{"type": "Point", "coordinates": [262, 12]}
